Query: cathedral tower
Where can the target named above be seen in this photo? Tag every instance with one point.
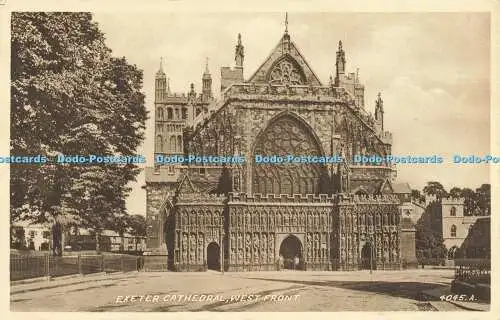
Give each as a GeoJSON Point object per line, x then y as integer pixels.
{"type": "Point", "coordinates": [207, 83]}
{"type": "Point", "coordinates": [340, 65]}
{"type": "Point", "coordinates": [160, 84]}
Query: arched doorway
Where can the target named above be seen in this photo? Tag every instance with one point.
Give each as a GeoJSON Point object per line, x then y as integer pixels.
{"type": "Point", "coordinates": [291, 248]}
{"type": "Point", "coordinates": [453, 253]}
{"type": "Point", "coordinates": [213, 256]}
{"type": "Point", "coordinates": [367, 262]}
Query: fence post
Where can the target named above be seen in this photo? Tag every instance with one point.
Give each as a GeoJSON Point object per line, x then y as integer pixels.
{"type": "Point", "coordinates": [102, 263]}
{"type": "Point", "coordinates": [47, 265]}
{"type": "Point", "coordinates": [80, 271]}
{"type": "Point", "coordinates": [122, 263]}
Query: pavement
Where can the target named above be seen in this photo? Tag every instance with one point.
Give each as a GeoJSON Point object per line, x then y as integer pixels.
{"type": "Point", "coordinates": [408, 290]}
{"type": "Point", "coordinates": [437, 295]}
{"type": "Point", "coordinates": [44, 283]}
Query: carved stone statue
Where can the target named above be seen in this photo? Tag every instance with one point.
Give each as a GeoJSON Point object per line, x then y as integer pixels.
{"type": "Point", "coordinates": [248, 240]}
{"type": "Point", "coordinates": [240, 240]}
{"type": "Point", "coordinates": [256, 241]}
{"type": "Point", "coordinates": [240, 255]}
{"type": "Point", "coordinates": [233, 254]}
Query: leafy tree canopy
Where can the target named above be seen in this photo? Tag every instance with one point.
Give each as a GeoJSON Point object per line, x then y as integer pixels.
{"type": "Point", "coordinates": [70, 96]}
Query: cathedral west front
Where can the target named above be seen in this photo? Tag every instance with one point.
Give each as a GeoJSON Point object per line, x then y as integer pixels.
{"type": "Point", "coordinates": [249, 216]}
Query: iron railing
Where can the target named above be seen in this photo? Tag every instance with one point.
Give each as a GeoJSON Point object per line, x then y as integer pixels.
{"type": "Point", "coordinates": [473, 270]}
{"type": "Point", "coordinates": [35, 266]}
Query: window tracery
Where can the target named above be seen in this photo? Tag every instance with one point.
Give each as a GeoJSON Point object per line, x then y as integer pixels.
{"type": "Point", "coordinates": [285, 136]}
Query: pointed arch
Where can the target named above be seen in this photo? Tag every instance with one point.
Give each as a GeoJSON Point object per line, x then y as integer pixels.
{"type": "Point", "coordinates": [173, 146]}
{"type": "Point", "coordinates": [453, 231]}
{"type": "Point", "coordinates": [159, 143]}
{"type": "Point", "coordinates": [287, 134]}
{"type": "Point", "coordinates": [159, 112]}
{"type": "Point", "coordinates": [179, 144]}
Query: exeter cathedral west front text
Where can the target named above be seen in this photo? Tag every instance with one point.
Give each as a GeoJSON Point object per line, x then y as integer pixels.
{"type": "Point", "coordinates": [253, 216]}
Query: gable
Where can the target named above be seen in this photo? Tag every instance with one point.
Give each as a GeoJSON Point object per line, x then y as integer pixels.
{"type": "Point", "coordinates": [186, 186]}
{"type": "Point", "coordinates": [285, 65]}
{"type": "Point", "coordinates": [386, 188]}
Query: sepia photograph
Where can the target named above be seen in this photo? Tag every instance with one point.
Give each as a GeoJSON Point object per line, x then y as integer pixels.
{"type": "Point", "coordinates": [250, 161]}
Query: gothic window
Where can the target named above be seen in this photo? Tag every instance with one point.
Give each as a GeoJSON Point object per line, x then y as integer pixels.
{"type": "Point", "coordinates": [159, 144]}
{"type": "Point", "coordinates": [304, 186]}
{"type": "Point", "coordinates": [173, 146]}
{"type": "Point", "coordinates": [283, 136]}
{"type": "Point", "coordinates": [177, 117]}
{"type": "Point", "coordinates": [184, 113]}
{"type": "Point", "coordinates": [286, 186]}
{"type": "Point", "coordinates": [286, 72]}
{"type": "Point", "coordinates": [269, 186]}
{"type": "Point", "coordinates": [179, 144]}
{"type": "Point", "coordinates": [453, 231]}
{"type": "Point", "coordinates": [453, 211]}
{"type": "Point", "coordinates": [159, 112]}
{"type": "Point", "coordinates": [198, 111]}
{"type": "Point", "coordinates": [169, 113]}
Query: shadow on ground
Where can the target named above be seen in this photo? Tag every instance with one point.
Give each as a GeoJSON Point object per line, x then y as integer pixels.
{"type": "Point", "coordinates": [407, 290]}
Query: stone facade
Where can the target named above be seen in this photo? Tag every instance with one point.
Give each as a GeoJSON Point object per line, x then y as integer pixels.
{"type": "Point", "coordinates": [314, 216]}
{"type": "Point", "coordinates": [455, 226]}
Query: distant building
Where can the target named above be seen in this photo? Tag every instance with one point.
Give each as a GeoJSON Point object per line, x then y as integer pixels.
{"type": "Point", "coordinates": [455, 226]}
{"type": "Point", "coordinates": [31, 236]}
{"type": "Point", "coordinates": [38, 237]}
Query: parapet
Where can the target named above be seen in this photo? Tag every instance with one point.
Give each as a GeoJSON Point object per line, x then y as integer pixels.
{"type": "Point", "coordinates": [451, 200]}
{"type": "Point", "coordinates": [201, 198]}
{"type": "Point", "coordinates": [368, 199]}
{"type": "Point", "coordinates": [281, 198]}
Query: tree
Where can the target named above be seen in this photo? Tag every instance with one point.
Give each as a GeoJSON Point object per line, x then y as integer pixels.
{"type": "Point", "coordinates": [455, 192]}
{"type": "Point", "coordinates": [483, 198]}
{"type": "Point", "coordinates": [435, 188]}
{"type": "Point", "coordinates": [70, 96]}
{"type": "Point", "coordinates": [137, 226]}
{"type": "Point", "coordinates": [417, 196]}
{"type": "Point", "coordinates": [469, 200]}
{"type": "Point", "coordinates": [429, 243]}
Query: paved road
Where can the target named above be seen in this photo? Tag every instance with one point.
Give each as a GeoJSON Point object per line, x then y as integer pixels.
{"type": "Point", "coordinates": [265, 291]}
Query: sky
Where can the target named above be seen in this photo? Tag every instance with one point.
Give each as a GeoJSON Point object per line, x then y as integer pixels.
{"type": "Point", "coordinates": [432, 69]}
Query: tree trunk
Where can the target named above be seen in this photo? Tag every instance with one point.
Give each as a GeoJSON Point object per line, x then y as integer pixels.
{"type": "Point", "coordinates": [97, 236]}
{"type": "Point", "coordinates": [122, 242]}
{"type": "Point", "coordinates": [56, 239]}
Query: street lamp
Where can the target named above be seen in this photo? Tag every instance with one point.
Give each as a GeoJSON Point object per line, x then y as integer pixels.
{"type": "Point", "coordinates": [371, 253]}
{"type": "Point", "coordinates": [222, 245]}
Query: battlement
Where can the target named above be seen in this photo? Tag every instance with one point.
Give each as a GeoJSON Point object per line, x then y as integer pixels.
{"type": "Point", "coordinates": [313, 198]}
{"type": "Point", "coordinates": [451, 200]}
{"type": "Point", "coordinates": [201, 198]}
{"type": "Point", "coordinates": [368, 199]}
{"type": "Point", "coordinates": [281, 198]}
